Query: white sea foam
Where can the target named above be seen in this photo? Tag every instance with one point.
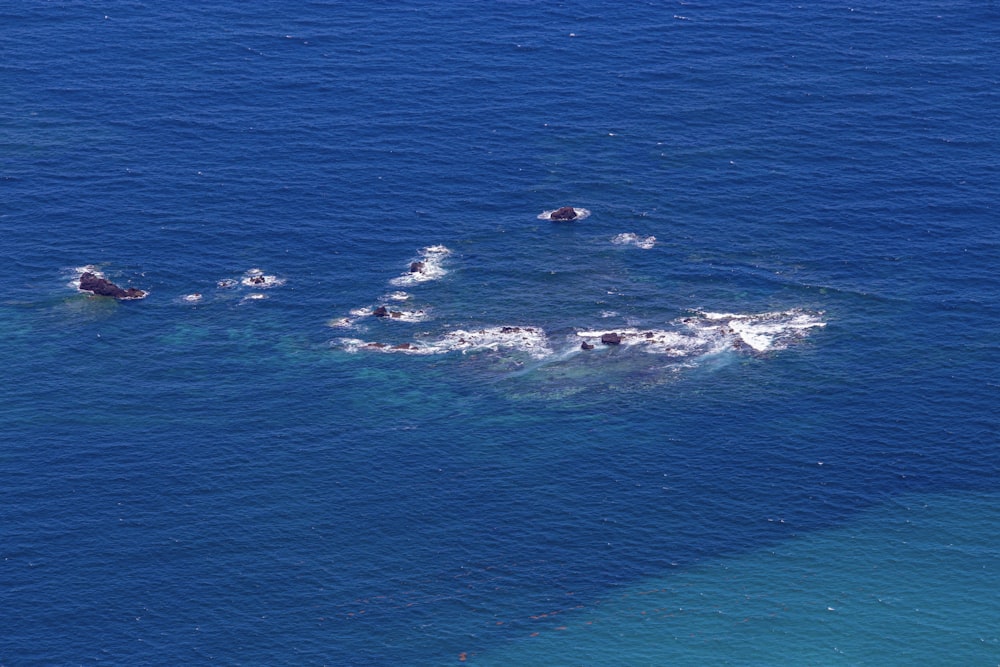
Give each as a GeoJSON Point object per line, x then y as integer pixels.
{"type": "Point", "coordinates": [78, 272]}
{"type": "Point", "coordinates": [426, 267]}
{"type": "Point", "coordinates": [406, 315]}
{"type": "Point", "coordinates": [531, 340]}
{"type": "Point", "coordinates": [528, 340]}
{"type": "Point", "coordinates": [227, 283]}
{"type": "Point", "coordinates": [192, 298]}
{"type": "Point", "coordinates": [397, 296]}
{"type": "Point", "coordinates": [628, 238]}
{"type": "Point", "coordinates": [368, 313]}
{"type": "Point", "coordinates": [763, 332]}
{"type": "Point", "coordinates": [358, 345]}
{"type": "Point", "coordinates": [657, 341]}
{"type": "Point", "coordinates": [581, 213]}
{"type": "Point", "coordinates": [709, 333]}
{"type": "Point", "coordinates": [89, 268]}
{"type": "Point", "coordinates": [259, 280]}
{"type": "Point", "coordinates": [253, 296]}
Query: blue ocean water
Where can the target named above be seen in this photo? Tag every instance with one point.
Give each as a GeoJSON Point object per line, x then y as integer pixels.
{"type": "Point", "coordinates": [797, 466]}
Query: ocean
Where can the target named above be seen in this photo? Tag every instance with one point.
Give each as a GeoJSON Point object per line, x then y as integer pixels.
{"type": "Point", "coordinates": [780, 449]}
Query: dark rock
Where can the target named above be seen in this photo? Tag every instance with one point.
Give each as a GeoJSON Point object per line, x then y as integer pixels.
{"type": "Point", "coordinates": [404, 346]}
{"type": "Point", "coordinates": [395, 313]}
{"type": "Point", "coordinates": [611, 339]}
{"type": "Point", "coordinates": [508, 330]}
{"type": "Point", "coordinates": [564, 213]}
{"type": "Point", "coordinates": [381, 311]}
{"type": "Point", "coordinates": [586, 346]}
{"type": "Point", "coordinates": [101, 287]}
{"type": "Point", "coordinates": [375, 345]}
{"type": "Point", "coordinates": [417, 267]}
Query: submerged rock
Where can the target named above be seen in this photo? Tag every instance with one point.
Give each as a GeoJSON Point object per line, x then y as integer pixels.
{"type": "Point", "coordinates": [90, 282]}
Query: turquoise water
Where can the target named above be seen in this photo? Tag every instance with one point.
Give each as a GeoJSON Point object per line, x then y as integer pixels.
{"type": "Point", "coordinates": [791, 458]}
{"type": "Point", "coordinates": [908, 581]}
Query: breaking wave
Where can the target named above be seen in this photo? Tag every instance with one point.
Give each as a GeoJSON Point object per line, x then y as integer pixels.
{"type": "Point", "coordinates": [688, 338]}
{"type": "Point", "coordinates": [427, 267]}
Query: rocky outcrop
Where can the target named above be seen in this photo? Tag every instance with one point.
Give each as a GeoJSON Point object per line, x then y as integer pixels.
{"type": "Point", "coordinates": [586, 346]}
{"type": "Point", "coordinates": [382, 311]}
{"type": "Point", "coordinates": [564, 213]}
{"type": "Point", "coordinates": [417, 267]}
{"type": "Point", "coordinates": [611, 339]}
{"type": "Point", "coordinates": [93, 283]}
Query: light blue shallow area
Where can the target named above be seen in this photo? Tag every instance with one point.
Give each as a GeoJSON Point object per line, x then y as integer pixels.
{"type": "Point", "coordinates": [240, 478]}
{"type": "Point", "coordinates": [909, 581]}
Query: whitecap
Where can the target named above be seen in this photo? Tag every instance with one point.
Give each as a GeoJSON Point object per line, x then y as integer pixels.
{"type": "Point", "coordinates": [192, 298]}
{"type": "Point", "coordinates": [628, 238]}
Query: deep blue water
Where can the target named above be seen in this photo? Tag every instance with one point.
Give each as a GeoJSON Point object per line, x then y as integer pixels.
{"type": "Point", "coordinates": [810, 479]}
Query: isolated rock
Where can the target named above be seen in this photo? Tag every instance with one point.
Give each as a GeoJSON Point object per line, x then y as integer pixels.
{"type": "Point", "coordinates": [417, 267]}
{"type": "Point", "coordinates": [611, 339]}
{"type": "Point", "coordinates": [564, 213]}
{"type": "Point", "coordinates": [90, 282]}
{"type": "Point", "coordinates": [381, 311]}
{"type": "Point", "coordinates": [586, 346]}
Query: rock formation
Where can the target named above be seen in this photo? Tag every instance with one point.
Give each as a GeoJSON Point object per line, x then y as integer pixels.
{"type": "Point", "coordinates": [90, 282]}
{"type": "Point", "coordinates": [611, 339]}
{"type": "Point", "coordinates": [564, 213]}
